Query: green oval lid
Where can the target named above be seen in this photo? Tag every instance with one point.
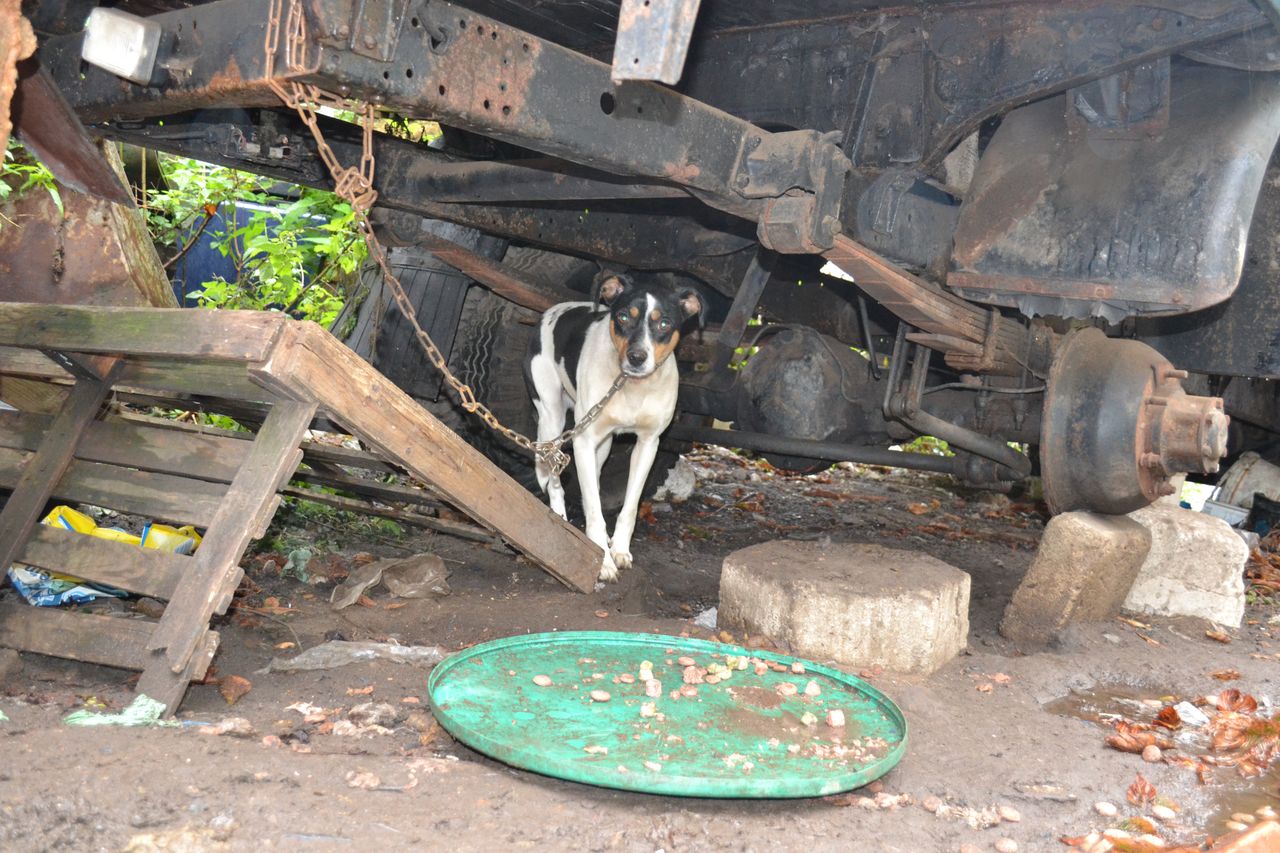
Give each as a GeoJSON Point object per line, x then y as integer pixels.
{"type": "Point", "coordinates": [745, 736]}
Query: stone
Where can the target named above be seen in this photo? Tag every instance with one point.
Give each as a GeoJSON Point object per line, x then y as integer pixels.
{"type": "Point", "coordinates": [859, 605]}
{"type": "Point", "coordinates": [1195, 567]}
{"type": "Point", "coordinates": [1081, 573]}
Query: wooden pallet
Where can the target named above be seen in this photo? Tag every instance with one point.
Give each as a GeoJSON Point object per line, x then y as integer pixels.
{"type": "Point", "coordinates": [290, 373]}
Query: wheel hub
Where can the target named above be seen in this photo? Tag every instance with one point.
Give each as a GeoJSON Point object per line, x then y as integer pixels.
{"type": "Point", "coordinates": [1118, 425]}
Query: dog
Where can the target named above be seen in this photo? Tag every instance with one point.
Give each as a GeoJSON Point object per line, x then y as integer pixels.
{"type": "Point", "coordinates": [573, 361]}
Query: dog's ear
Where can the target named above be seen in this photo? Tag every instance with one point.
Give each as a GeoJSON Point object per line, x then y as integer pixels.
{"type": "Point", "coordinates": [607, 287]}
{"type": "Point", "coordinates": [691, 305]}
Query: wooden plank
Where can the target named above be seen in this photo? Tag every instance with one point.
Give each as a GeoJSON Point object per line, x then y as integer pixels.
{"type": "Point", "coordinates": [368, 488]}
{"type": "Point", "coordinates": [498, 277]}
{"type": "Point", "coordinates": [184, 376]}
{"type": "Point", "coordinates": [137, 444]}
{"type": "Point", "coordinates": [245, 509]}
{"type": "Point", "coordinates": [33, 395]}
{"type": "Point", "coordinates": [153, 332]}
{"type": "Point", "coordinates": [163, 497]}
{"type": "Point", "coordinates": [312, 361]}
{"type": "Point", "coordinates": [105, 640]}
{"type": "Point", "coordinates": [29, 363]}
{"type": "Point", "coordinates": [440, 525]}
{"type": "Point", "coordinates": [144, 571]}
{"type": "Point", "coordinates": [38, 477]}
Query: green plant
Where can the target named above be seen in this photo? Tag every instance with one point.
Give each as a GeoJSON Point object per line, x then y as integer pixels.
{"type": "Point", "coordinates": [295, 257]}
{"type": "Point", "coordinates": [22, 172]}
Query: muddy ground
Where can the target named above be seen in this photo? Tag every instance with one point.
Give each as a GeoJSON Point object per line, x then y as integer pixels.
{"type": "Point", "coordinates": [993, 727]}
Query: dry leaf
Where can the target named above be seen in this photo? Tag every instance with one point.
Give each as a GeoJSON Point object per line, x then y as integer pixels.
{"type": "Point", "coordinates": [917, 509]}
{"type": "Point", "coordinates": [366, 601]}
{"type": "Point", "coordinates": [1141, 791]}
{"type": "Point", "coordinates": [232, 687]}
{"type": "Point", "coordinates": [1168, 718]}
{"type": "Point", "coordinates": [1150, 640]}
{"type": "Point", "coordinates": [359, 691]}
{"type": "Point", "coordinates": [1233, 700]}
{"type": "Point", "coordinates": [646, 513]}
{"type": "Point", "coordinates": [394, 605]}
{"type": "Point", "coordinates": [285, 645]}
{"type": "Point", "coordinates": [985, 688]}
{"type": "Point", "coordinates": [1226, 674]}
{"type": "Point", "coordinates": [1133, 622]}
{"type": "Point", "coordinates": [1139, 825]}
{"type": "Point", "coordinates": [1219, 636]}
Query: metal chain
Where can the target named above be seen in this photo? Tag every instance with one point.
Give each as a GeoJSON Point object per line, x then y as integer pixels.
{"type": "Point", "coordinates": [354, 184]}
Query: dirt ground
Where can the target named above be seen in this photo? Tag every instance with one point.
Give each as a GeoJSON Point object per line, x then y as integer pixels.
{"type": "Point", "coordinates": [994, 727]}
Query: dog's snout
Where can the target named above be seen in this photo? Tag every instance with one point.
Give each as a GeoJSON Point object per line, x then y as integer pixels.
{"type": "Point", "coordinates": [637, 357]}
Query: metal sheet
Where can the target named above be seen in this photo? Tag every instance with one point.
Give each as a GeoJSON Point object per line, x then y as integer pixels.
{"type": "Point", "coordinates": [732, 739]}
{"type": "Point", "coordinates": [653, 39]}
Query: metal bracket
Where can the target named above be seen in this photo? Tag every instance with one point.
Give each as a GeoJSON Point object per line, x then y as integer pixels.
{"type": "Point", "coordinates": [375, 27]}
{"type": "Point", "coordinates": [653, 39]}
{"type": "Point", "coordinates": [1128, 105]}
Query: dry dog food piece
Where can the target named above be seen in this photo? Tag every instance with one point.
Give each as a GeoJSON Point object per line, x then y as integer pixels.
{"type": "Point", "coordinates": [1009, 813]}
{"type": "Point", "coordinates": [786, 688]}
{"type": "Point", "coordinates": [694, 674]}
{"type": "Point", "coordinates": [686, 661]}
{"type": "Point", "coordinates": [1105, 809]}
{"type": "Point", "coordinates": [797, 668]}
{"type": "Point", "coordinates": [627, 678]}
{"type": "Point", "coordinates": [688, 690]}
{"type": "Point", "coordinates": [808, 719]}
{"type": "Point", "coordinates": [542, 680]}
{"type": "Point", "coordinates": [648, 709]}
{"type": "Point", "coordinates": [653, 688]}
{"type": "Point", "coordinates": [835, 718]}
{"type": "Point", "coordinates": [596, 750]}
{"type": "Point", "coordinates": [600, 696]}
{"type": "Point", "coordinates": [812, 689]}
{"type": "Point", "coordinates": [654, 766]}
{"type": "Point", "coordinates": [712, 678]}
{"type": "Point", "coordinates": [1164, 812]}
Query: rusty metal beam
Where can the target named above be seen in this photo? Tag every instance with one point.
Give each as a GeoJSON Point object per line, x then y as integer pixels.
{"type": "Point", "coordinates": [495, 275]}
{"type": "Point", "coordinates": [469, 71]}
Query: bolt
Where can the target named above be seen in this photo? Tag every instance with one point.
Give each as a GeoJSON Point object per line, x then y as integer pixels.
{"type": "Point", "coordinates": [369, 42]}
{"type": "Point", "coordinates": [753, 143]}
{"type": "Point", "coordinates": [344, 31]}
{"type": "Point", "coordinates": [743, 180]}
{"type": "Point", "coordinates": [830, 225]}
{"type": "Point", "coordinates": [1150, 460]}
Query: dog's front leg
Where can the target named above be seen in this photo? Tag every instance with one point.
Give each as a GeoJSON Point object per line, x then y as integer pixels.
{"type": "Point", "coordinates": [584, 454]}
{"type": "Point", "coordinates": [642, 457]}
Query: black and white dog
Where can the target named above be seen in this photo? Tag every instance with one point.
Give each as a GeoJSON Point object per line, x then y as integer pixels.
{"type": "Point", "coordinates": [574, 358]}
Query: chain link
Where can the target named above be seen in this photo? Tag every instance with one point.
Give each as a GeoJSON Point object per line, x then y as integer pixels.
{"type": "Point", "coordinates": [354, 184]}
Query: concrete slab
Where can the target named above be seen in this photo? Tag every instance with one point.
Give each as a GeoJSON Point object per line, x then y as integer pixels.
{"type": "Point", "coordinates": [858, 605]}
{"type": "Point", "coordinates": [1195, 567]}
{"type": "Point", "coordinates": [1082, 572]}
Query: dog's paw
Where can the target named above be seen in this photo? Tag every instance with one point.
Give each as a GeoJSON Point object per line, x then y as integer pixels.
{"type": "Point", "coordinates": [622, 559]}
{"type": "Point", "coordinates": [608, 568]}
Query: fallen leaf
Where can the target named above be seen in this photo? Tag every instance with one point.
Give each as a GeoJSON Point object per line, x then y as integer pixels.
{"type": "Point", "coordinates": [646, 513]}
{"type": "Point", "coordinates": [1168, 717]}
{"type": "Point", "coordinates": [1218, 636]}
{"type": "Point", "coordinates": [394, 605]}
{"type": "Point", "coordinates": [270, 601]}
{"type": "Point", "coordinates": [285, 645]}
{"type": "Point", "coordinates": [602, 614]}
{"type": "Point", "coordinates": [359, 691]}
{"type": "Point", "coordinates": [1150, 640]}
{"type": "Point", "coordinates": [917, 509]}
{"type": "Point", "coordinates": [985, 688]}
{"type": "Point", "coordinates": [366, 601]}
{"type": "Point", "coordinates": [1233, 700]}
{"type": "Point", "coordinates": [1225, 674]}
{"type": "Point", "coordinates": [1139, 824]}
{"type": "Point", "coordinates": [1141, 791]}
{"type": "Point", "coordinates": [1133, 622]}
{"type": "Point", "coordinates": [232, 687]}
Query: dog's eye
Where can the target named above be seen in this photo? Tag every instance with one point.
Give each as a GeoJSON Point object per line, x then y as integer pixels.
{"type": "Point", "coordinates": [665, 325]}
{"type": "Point", "coordinates": [621, 317]}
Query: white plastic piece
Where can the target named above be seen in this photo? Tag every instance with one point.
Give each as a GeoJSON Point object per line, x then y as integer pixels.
{"type": "Point", "coordinates": [122, 44]}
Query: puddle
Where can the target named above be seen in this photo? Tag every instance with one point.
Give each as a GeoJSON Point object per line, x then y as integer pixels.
{"type": "Point", "coordinates": [1213, 804]}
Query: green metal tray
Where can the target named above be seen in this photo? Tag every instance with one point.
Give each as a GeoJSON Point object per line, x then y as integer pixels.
{"type": "Point", "coordinates": [737, 738]}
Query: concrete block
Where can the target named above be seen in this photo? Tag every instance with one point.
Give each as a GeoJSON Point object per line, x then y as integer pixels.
{"type": "Point", "coordinates": [858, 605]}
{"type": "Point", "coordinates": [1195, 567]}
{"type": "Point", "coordinates": [1082, 572]}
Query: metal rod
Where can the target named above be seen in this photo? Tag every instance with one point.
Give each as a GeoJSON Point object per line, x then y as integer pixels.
{"type": "Point", "coordinates": [832, 451]}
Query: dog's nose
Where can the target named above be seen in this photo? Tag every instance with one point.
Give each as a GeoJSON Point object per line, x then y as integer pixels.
{"type": "Point", "coordinates": [637, 357]}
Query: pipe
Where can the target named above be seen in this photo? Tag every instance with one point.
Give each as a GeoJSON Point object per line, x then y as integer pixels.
{"type": "Point", "coordinates": [832, 451]}
{"type": "Point", "coordinates": [966, 439]}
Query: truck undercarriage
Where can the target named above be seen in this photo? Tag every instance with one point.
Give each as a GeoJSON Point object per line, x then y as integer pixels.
{"type": "Point", "coordinates": [1031, 219]}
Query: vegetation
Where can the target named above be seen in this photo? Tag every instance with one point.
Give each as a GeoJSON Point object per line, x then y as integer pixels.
{"type": "Point", "coordinates": [22, 173]}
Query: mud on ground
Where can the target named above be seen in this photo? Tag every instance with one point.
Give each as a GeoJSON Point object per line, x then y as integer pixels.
{"type": "Point", "coordinates": [995, 727]}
